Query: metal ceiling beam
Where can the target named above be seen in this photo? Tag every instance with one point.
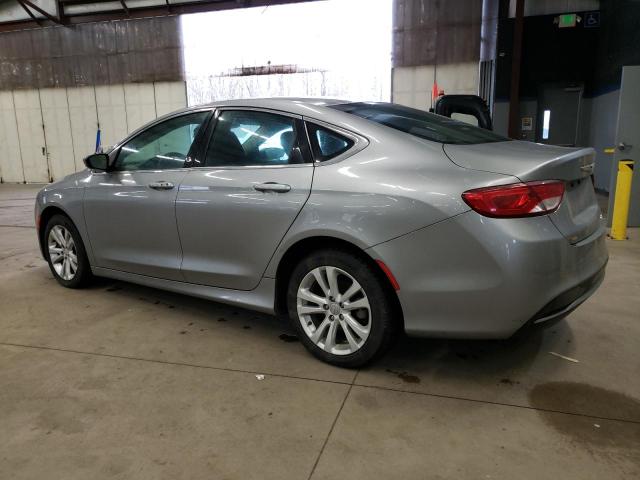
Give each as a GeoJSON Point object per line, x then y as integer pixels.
{"type": "Point", "coordinates": [31, 14]}
{"type": "Point", "coordinates": [60, 12]}
{"type": "Point", "coordinates": [83, 2]}
{"type": "Point", "coordinates": [27, 3]}
{"type": "Point", "coordinates": [163, 9]}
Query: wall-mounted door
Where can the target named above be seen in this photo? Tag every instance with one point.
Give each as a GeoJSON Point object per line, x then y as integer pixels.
{"type": "Point", "coordinates": [10, 159]}
{"type": "Point", "coordinates": [112, 113]}
{"type": "Point", "coordinates": [83, 116]}
{"type": "Point", "coordinates": [558, 114]}
{"type": "Point", "coordinates": [57, 129]}
{"type": "Point", "coordinates": [627, 144]}
{"type": "Point", "coordinates": [31, 134]}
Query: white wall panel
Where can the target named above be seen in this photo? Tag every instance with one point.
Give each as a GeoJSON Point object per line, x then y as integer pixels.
{"type": "Point", "coordinates": [57, 131]}
{"type": "Point", "coordinates": [170, 96]}
{"type": "Point", "coordinates": [84, 122]}
{"type": "Point", "coordinates": [140, 104]}
{"type": "Point", "coordinates": [10, 157]}
{"type": "Point", "coordinates": [412, 85]}
{"type": "Point", "coordinates": [458, 78]}
{"type": "Point", "coordinates": [31, 134]}
{"type": "Point", "coordinates": [112, 113]}
{"type": "Point", "coordinates": [70, 118]}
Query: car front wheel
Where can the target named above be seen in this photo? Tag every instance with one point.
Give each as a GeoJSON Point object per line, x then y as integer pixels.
{"type": "Point", "coordinates": [340, 308]}
{"type": "Point", "coordinates": [65, 253]}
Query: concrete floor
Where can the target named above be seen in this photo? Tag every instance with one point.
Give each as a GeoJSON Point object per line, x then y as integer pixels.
{"type": "Point", "coordinates": [122, 381]}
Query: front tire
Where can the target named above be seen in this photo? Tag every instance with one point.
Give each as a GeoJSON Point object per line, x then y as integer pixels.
{"type": "Point", "coordinates": [339, 307]}
{"type": "Point", "coordinates": [65, 253]}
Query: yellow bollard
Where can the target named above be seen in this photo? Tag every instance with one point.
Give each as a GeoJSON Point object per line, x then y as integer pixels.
{"type": "Point", "coordinates": [622, 199]}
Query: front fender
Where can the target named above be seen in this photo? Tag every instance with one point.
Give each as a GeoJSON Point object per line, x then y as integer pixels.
{"type": "Point", "coordinates": [66, 196]}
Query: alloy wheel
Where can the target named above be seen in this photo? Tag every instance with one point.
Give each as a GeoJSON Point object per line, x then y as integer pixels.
{"type": "Point", "coordinates": [334, 310]}
{"type": "Point", "coordinates": [62, 252]}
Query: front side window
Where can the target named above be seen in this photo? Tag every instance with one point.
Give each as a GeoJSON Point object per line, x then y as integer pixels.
{"type": "Point", "coordinates": [161, 147]}
{"type": "Point", "coordinates": [327, 144]}
{"type": "Point", "coordinates": [251, 138]}
{"type": "Point", "coordinates": [420, 123]}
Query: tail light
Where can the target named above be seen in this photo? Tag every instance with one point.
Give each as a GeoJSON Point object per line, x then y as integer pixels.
{"type": "Point", "coordinates": [516, 200]}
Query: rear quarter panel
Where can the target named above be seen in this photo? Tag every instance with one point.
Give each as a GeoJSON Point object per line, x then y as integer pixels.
{"type": "Point", "coordinates": [396, 185]}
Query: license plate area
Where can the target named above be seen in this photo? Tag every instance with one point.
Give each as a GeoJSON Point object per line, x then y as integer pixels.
{"type": "Point", "coordinates": [579, 213]}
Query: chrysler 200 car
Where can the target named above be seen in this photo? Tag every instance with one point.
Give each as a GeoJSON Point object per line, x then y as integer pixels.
{"type": "Point", "coordinates": [357, 220]}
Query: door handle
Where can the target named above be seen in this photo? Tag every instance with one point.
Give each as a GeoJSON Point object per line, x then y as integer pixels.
{"type": "Point", "coordinates": [623, 146]}
{"type": "Point", "coordinates": [272, 187]}
{"type": "Point", "coordinates": [161, 185]}
{"type": "Point", "coordinates": [588, 168]}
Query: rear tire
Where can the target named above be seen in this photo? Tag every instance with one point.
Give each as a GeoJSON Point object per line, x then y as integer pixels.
{"type": "Point", "coordinates": [340, 309]}
{"type": "Point", "coordinates": [65, 253]}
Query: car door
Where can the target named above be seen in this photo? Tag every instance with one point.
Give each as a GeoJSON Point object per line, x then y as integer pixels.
{"type": "Point", "coordinates": [130, 209]}
{"type": "Point", "coordinates": [234, 208]}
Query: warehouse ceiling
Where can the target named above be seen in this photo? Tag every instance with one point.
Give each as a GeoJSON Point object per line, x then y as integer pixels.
{"type": "Point", "coordinates": [20, 14]}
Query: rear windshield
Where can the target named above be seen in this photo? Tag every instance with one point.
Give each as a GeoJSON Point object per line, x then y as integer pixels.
{"type": "Point", "coordinates": [420, 123]}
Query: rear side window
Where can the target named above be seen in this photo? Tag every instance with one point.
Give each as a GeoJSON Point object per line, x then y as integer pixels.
{"type": "Point", "coordinates": [327, 144]}
{"type": "Point", "coordinates": [253, 138]}
{"type": "Point", "coordinates": [421, 124]}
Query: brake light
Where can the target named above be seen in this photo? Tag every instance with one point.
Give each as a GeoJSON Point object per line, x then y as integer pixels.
{"type": "Point", "coordinates": [516, 200]}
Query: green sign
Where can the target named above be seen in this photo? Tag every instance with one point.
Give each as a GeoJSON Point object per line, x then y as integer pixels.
{"type": "Point", "coordinates": [567, 20]}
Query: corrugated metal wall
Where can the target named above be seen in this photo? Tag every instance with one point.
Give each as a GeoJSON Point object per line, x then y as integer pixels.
{"type": "Point", "coordinates": [102, 53]}
{"type": "Point", "coordinates": [428, 32]}
{"type": "Point", "coordinates": [435, 40]}
{"type": "Point", "coordinates": [45, 133]}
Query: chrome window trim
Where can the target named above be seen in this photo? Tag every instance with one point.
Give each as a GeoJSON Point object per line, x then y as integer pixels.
{"type": "Point", "coordinates": [359, 142]}
{"type": "Point", "coordinates": [113, 172]}
{"type": "Point", "coordinates": [257, 109]}
{"type": "Point", "coordinates": [250, 167]}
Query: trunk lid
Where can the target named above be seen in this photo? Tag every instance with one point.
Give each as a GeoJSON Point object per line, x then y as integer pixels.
{"type": "Point", "coordinates": [579, 214]}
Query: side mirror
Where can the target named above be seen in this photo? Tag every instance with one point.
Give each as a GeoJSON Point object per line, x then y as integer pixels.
{"type": "Point", "coordinates": [97, 161]}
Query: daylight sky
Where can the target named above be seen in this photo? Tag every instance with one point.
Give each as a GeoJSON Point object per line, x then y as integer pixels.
{"type": "Point", "coordinates": [349, 37]}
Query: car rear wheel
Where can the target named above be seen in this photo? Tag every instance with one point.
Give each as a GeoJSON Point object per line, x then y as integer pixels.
{"type": "Point", "coordinates": [65, 253]}
{"type": "Point", "coordinates": [340, 308]}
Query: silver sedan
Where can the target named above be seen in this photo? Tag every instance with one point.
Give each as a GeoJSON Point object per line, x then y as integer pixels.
{"type": "Point", "coordinates": [356, 220]}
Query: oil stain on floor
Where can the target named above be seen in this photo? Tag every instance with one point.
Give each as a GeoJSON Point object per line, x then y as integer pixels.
{"type": "Point", "coordinates": [405, 376]}
{"type": "Point", "coordinates": [288, 338]}
{"type": "Point", "coordinates": [618, 425]}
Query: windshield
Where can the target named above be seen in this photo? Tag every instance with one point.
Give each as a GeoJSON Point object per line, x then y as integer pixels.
{"type": "Point", "coordinates": [420, 123]}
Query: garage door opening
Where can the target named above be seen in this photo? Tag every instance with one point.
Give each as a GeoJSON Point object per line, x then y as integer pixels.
{"type": "Point", "coordinates": [328, 49]}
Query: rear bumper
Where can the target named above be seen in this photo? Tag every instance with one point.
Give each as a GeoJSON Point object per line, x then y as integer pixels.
{"type": "Point", "coordinates": [567, 302]}
{"type": "Point", "coordinates": [477, 277]}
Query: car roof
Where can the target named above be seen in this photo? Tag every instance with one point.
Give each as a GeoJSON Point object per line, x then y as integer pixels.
{"type": "Point", "coordinates": [296, 105]}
